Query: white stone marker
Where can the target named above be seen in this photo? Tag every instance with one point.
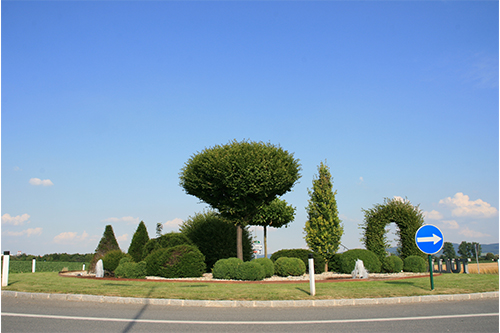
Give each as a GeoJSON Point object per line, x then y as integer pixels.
{"type": "Point", "coordinates": [5, 269]}
{"type": "Point", "coordinates": [33, 265]}
{"type": "Point", "coordinates": [99, 269]}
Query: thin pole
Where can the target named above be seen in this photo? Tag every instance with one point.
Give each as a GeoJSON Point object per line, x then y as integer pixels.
{"type": "Point", "coordinates": [430, 271]}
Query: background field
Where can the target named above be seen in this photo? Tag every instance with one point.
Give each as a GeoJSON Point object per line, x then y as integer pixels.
{"type": "Point", "coordinates": [43, 266]}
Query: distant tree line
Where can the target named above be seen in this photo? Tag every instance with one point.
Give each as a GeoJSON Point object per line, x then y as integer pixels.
{"type": "Point", "coordinates": [56, 257]}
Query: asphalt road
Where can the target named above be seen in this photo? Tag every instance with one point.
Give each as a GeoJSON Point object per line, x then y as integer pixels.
{"type": "Point", "coordinates": [31, 315]}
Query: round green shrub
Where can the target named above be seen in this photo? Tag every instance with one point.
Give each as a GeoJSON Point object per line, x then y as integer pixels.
{"type": "Point", "coordinates": [392, 264]}
{"type": "Point", "coordinates": [215, 237]}
{"type": "Point", "coordinates": [334, 263]}
{"type": "Point", "coordinates": [267, 264]}
{"type": "Point", "coordinates": [289, 266]}
{"type": "Point", "coordinates": [251, 271]}
{"type": "Point", "coordinates": [131, 270]}
{"type": "Point", "coordinates": [176, 262]}
{"type": "Point", "coordinates": [111, 259]}
{"type": "Point", "coordinates": [164, 241]}
{"type": "Point", "coordinates": [414, 264]}
{"type": "Point", "coordinates": [226, 268]}
{"type": "Point", "coordinates": [302, 254]}
{"type": "Point", "coordinates": [370, 261]}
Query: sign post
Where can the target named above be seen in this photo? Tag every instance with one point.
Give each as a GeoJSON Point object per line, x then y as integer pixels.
{"type": "Point", "coordinates": [430, 241]}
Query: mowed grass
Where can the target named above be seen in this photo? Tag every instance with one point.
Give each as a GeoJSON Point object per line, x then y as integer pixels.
{"type": "Point", "coordinates": [444, 284]}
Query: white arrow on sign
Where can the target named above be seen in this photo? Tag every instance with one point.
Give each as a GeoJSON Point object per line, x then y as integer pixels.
{"type": "Point", "coordinates": [434, 238]}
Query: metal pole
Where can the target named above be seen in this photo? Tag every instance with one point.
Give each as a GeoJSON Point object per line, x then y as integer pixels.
{"type": "Point", "coordinates": [311, 275]}
{"type": "Point", "coordinates": [430, 271]}
{"type": "Point", "coordinates": [476, 245]}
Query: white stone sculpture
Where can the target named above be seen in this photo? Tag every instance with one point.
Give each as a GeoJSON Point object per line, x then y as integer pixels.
{"type": "Point", "coordinates": [360, 270]}
{"type": "Point", "coordinates": [99, 269]}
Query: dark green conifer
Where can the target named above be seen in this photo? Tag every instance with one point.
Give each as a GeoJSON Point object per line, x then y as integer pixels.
{"type": "Point", "coordinates": [139, 239]}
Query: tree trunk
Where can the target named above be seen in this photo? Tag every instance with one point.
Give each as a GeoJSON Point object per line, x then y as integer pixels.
{"type": "Point", "coordinates": [265, 241]}
{"type": "Point", "coordinates": [326, 265]}
{"type": "Point", "coordinates": [239, 242]}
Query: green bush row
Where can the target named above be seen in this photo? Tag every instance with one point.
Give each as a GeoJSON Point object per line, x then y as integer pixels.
{"type": "Point", "coordinates": [236, 269]}
{"type": "Point", "coordinates": [302, 254]}
{"type": "Point", "coordinates": [44, 266]}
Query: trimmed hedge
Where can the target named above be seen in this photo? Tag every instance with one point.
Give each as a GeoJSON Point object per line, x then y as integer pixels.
{"type": "Point", "coordinates": [414, 264]}
{"type": "Point", "coordinates": [302, 254]}
{"type": "Point", "coordinates": [226, 268]}
{"type": "Point", "coordinates": [370, 261]}
{"type": "Point", "coordinates": [334, 263]}
{"type": "Point", "coordinates": [164, 241]}
{"type": "Point", "coordinates": [251, 271]}
{"type": "Point", "coordinates": [131, 270]}
{"type": "Point", "coordinates": [111, 259]}
{"type": "Point", "coordinates": [267, 264]}
{"type": "Point", "coordinates": [285, 266]}
{"type": "Point", "coordinates": [176, 262]}
{"type": "Point", "coordinates": [392, 264]}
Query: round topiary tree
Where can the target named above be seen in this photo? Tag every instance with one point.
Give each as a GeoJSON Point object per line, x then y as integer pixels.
{"type": "Point", "coordinates": [408, 219]}
{"type": "Point", "coordinates": [289, 267]}
{"type": "Point", "coordinates": [370, 261]}
{"type": "Point", "coordinates": [392, 264]}
{"type": "Point", "coordinates": [176, 262]}
{"type": "Point", "coordinates": [111, 259]}
{"type": "Point", "coordinates": [267, 264]}
{"type": "Point", "coordinates": [302, 254]}
{"type": "Point", "coordinates": [250, 271]}
{"type": "Point", "coordinates": [226, 268]}
{"type": "Point", "coordinates": [215, 237]}
{"type": "Point", "coordinates": [415, 264]}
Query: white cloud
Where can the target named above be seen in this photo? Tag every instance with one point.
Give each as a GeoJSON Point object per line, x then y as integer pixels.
{"type": "Point", "coordinates": [126, 219]}
{"type": "Point", "coordinates": [472, 233]}
{"type": "Point", "coordinates": [15, 220]}
{"type": "Point", "coordinates": [433, 215]}
{"type": "Point", "coordinates": [398, 198]}
{"type": "Point", "coordinates": [461, 206]}
{"type": "Point", "coordinates": [122, 238]}
{"type": "Point", "coordinates": [38, 182]}
{"type": "Point", "coordinates": [28, 232]}
{"type": "Point", "coordinates": [69, 237]}
{"type": "Point", "coordinates": [16, 168]}
{"type": "Point", "coordinates": [451, 224]}
{"type": "Point", "coordinates": [173, 223]}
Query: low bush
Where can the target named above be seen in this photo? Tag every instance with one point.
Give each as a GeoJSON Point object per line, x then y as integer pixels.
{"type": "Point", "coordinates": [334, 263]}
{"type": "Point", "coordinates": [111, 259]}
{"type": "Point", "coordinates": [285, 266]}
{"type": "Point", "coordinates": [131, 270]}
{"type": "Point", "coordinates": [392, 264]}
{"type": "Point", "coordinates": [176, 262]}
{"type": "Point", "coordinates": [251, 271]}
{"type": "Point", "coordinates": [302, 254]}
{"type": "Point", "coordinates": [226, 268]}
{"type": "Point", "coordinates": [370, 261]}
{"type": "Point", "coordinates": [414, 264]}
{"type": "Point", "coordinates": [267, 264]}
{"type": "Point", "coordinates": [164, 241]}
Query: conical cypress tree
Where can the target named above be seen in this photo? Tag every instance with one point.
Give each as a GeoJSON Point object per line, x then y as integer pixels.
{"type": "Point", "coordinates": [139, 239]}
{"type": "Point", "coordinates": [323, 227]}
{"type": "Point", "coordinates": [107, 243]}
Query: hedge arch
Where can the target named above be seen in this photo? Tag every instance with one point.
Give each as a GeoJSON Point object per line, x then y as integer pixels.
{"type": "Point", "coordinates": [407, 217]}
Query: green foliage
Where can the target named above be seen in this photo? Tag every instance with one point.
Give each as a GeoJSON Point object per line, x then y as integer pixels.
{"type": "Point", "coordinates": [267, 264]}
{"type": "Point", "coordinates": [334, 264]}
{"type": "Point", "coordinates": [250, 271]}
{"type": "Point", "coordinates": [43, 266]}
{"type": "Point", "coordinates": [289, 267]}
{"type": "Point", "coordinates": [107, 243]}
{"type": "Point", "coordinates": [468, 250]}
{"type": "Point", "coordinates": [239, 177]}
{"type": "Point", "coordinates": [448, 250]}
{"type": "Point", "coordinates": [302, 254]}
{"type": "Point", "coordinates": [75, 257]}
{"type": "Point", "coordinates": [215, 237]}
{"type": "Point", "coordinates": [168, 240]}
{"type": "Point", "coordinates": [490, 256]}
{"type": "Point", "coordinates": [139, 239]}
{"type": "Point", "coordinates": [131, 270]}
{"type": "Point", "coordinates": [407, 217]}
{"type": "Point", "coordinates": [323, 227]}
{"type": "Point", "coordinates": [414, 264]}
{"type": "Point", "coordinates": [370, 261]}
{"type": "Point", "coordinates": [176, 262]}
{"type": "Point", "coordinates": [226, 268]}
{"type": "Point", "coordinates": [392, 264]}
{"type": "Point", "coordinates": [276, 214]}
{"type": "Point", "coordinates": [111, 259]}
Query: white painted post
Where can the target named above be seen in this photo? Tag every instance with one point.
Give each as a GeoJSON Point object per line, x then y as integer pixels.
{"type": "Point", "coordinates": [5, 269]}
{"type": "Point", "coordinates": [83, 267]}
{"type": "Point", "coordinates": [33, 265]}
{"type": "Point", "coordinates": [311, 275]}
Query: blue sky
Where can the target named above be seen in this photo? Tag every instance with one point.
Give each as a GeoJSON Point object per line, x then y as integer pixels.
{"type": "Point", "coordinates": [104, 101]}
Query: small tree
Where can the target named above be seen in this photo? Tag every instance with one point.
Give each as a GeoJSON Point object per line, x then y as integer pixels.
{"type": "Point", "coordinates": [277, 214]}
{"type": "Point", "coordinates": [463, 250]}
{"type": "Point", "coordinates": [159, 229]}
{"type": "Point", "coordinates": [449, 250]}
{"type": "Point", "coordinates": [139, 239]}
{"type": "Point", "coordinates": [238, 178]}
{"type": "Point", "coordinates": [107, 243]}
{"type": "Point", "coordinates": [323, 227]}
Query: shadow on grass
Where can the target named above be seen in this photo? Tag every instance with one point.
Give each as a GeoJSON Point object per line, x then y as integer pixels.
{"type": "Point", "coordinates": [406, 283]}
{"type": "Point", "coordinates": [117, 284]}
{"type": "Point", "coordinates": [304, 291]}
{"type": "Point", "coordinates": [194, 286]}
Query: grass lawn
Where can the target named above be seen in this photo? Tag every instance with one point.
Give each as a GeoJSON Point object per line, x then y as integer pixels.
{"type": "Point", "coordinates": [50, 282]}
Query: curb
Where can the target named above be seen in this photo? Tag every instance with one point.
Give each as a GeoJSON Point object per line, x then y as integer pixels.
{"type": "Point", "coordinates": [251, 304]}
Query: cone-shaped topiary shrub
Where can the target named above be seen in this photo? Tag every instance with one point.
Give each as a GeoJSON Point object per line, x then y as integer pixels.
{"type": "Point", "coordinates": [107, 243]}
{"type": "Point", "coordinates": [289, 266]}
{"type": "Point", "coordinates": [139, 239]}
{"type": "Point", "coordinates": [176, 262]}
{"type": "Point", "coordinates": [414, 264]}
{"type": "Point", "coordinates": [370, 261]}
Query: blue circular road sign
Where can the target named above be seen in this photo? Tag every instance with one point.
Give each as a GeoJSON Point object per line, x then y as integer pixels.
{"type": "Point", "coordinates": [429, 239]}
